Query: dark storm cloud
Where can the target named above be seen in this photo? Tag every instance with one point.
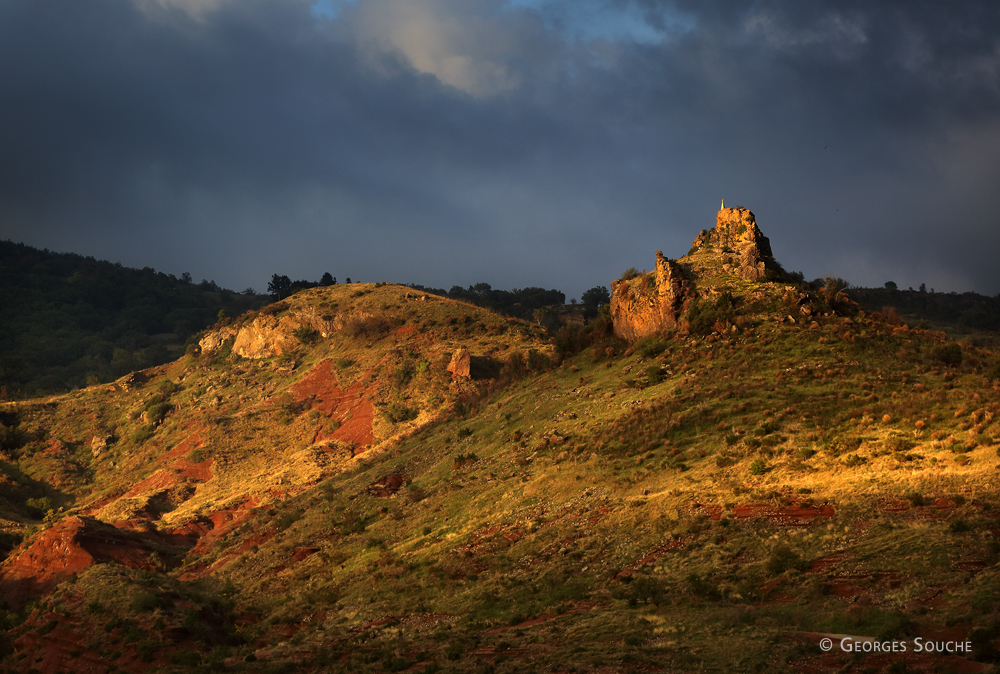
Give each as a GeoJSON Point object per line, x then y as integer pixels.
{"type": "Point", "coordinates": [542, 143]}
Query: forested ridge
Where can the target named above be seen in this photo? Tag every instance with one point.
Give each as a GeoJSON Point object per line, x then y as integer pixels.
{"type": "Point", "coordinates": [66, 319]}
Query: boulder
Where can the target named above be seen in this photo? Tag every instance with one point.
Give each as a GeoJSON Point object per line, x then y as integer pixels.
{"type": "Point", "coordinates": [461, 364]}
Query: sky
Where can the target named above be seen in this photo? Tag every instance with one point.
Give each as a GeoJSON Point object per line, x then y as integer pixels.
{"type": "Point", "coordinates": [549, 143]}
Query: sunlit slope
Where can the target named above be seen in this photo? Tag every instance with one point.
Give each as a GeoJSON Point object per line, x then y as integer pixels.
{"type": "Point", "coordinates": [689, 503]}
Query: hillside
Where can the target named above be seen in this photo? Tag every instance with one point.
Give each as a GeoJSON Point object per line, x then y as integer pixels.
{"type": "Point", "coordinates": [66, 319]}
{"type": "Point", "coordinates": [365, 478]}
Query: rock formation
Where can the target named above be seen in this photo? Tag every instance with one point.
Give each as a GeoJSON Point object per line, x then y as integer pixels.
{"type": "Point", "coordinates": [736, 232]}
{"type": "Point", "coordinates": [654, 303]}
{"type": "Point", "coordinates": [651, 303]}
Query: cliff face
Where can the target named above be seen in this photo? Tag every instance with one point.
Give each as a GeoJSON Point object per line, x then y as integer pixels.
{"type": "Point", "coordinates": [651, 303]}
{"type": "Point", "coordinates": [736, 233]}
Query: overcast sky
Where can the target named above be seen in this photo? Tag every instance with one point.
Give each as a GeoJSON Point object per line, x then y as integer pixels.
{"type": "Point", "coordinates": [522, 143]}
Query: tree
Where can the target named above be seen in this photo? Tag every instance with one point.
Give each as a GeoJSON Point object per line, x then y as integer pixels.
{"type": "Point", "coordinates": [279, 286]}
{"type": "Point", "coordinates": [348, 280]}
{"type": "Point", "coordinates": [891, 286]}
{"type": "Point", "coordinates": [593, 300]}
{"type": "Point", "coordinates": [326, 279]}
{"type": "Point", "coordinates": [833, 286]}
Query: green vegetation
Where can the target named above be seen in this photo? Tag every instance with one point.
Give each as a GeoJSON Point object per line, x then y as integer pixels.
{"type": "Point", "coordinates": [69, 321]}
{"type": "Point", "coordinates": [698, 501]}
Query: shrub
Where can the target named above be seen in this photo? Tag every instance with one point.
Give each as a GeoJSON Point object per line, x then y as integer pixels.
{"type": "Point", "coordinates": [949, 354]}
{"type": "Point", "coordinates": [157, 411]}
{"type": "Point", "coordinates": [538, 361]}
{"type": "Point", "coordinates": [629, 274]}
{"type": "Point", "coordinates": [703, 317]}
{"type": "Point", "coordinates": [306, 335]}
{"type": "Point", "coordinates": [654, 374]}
{"type": "Point", "coordinates": [371, 327]}
{"type": "Point", "coordinates": [398, 413]}
{"type": "Point", "coordinates": [650, 347]}
{"type": "Point", "coordinates": [402, 375]}
{"type": "Point", "coordinates": [782, 559]}
{"type": "Point", "coordinates": [287, 519]}
{"type": "Point", "coordinates": [141, 434]}
{"type": "Point", "coordinates": [758, 466]}
{"type": "Point", "coordinates": [148, 601]}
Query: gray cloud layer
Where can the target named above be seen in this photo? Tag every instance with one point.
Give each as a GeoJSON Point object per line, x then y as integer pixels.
{"type": "Point", "coordinates": [540, 143]}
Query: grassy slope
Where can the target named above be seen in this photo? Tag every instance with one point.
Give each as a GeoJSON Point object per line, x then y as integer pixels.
{"type": "Point", "coordinates": [603, 523]}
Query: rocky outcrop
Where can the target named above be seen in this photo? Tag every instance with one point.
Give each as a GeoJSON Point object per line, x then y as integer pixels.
{"type": "Point", "coordinates": [656, 302]}
{"type": "Point", "coordinates": [736, 234]}
{"type": "Point", "coordinates": [651, 303]}
{"type": "Point", "coordinates": [264, 337]}
{"type": "Point", "coordinates": [213, 341]}
{"type": "Point", "coordinates": [270, 333]}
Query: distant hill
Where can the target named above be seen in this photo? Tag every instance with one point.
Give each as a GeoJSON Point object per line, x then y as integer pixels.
{"type": "Point", "coordinates": [974, 318]}
{"type": "Point", "coordinates": [66, 319]}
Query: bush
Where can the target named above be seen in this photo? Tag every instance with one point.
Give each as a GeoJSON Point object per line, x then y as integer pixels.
{"type": "Point", "coordinates": [402, 375]}
{"type": "Point", "coordinates": [650, 347]}
{"type": "Point", "coordinates": [758, 466]}
{"type": "Point", "coordinates": [538, 361]}
{"type": "Point", "coordinates": [949, 354]}
{"type": "Point", "coordinates": [704, 317]}
{"type": "Point", "coordinates": [306, 335]}
{"type": "Point", "coordinates": [157, 411]}
{"type": "Point", "coordinates": [782, 559]}
{"type": "Point", "coordinates": [629, 274]}
{"type": "Point", "coordinates": [371, 327]}
{"type": "Point", "coordinates": [148, 601]}
{"type": "Point", "coordinates": [654, 374]}
{"type": "Point", "coordinates": [287, 519]}
{"type": "Point", "coordinates": [398, 413]}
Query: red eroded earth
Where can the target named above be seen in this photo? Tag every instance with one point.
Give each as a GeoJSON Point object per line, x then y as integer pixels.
{"type": "Point", "coordinates": [348, 406]}
{"type": "Point", "coordinates": [71, 545]}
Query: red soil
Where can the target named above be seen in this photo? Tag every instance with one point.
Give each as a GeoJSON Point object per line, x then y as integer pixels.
{"type": "Point", "coordinates": [201, 471]}
{"type": "Point", "coordinates": [194, 441]}
{"type": "Point", "coordinates": [161, 479]}
{"type": "Point", "coordinates": [793, 514]}
{"type": "Point", "coordinates": [348, 406]}
{"type": "Point", "coordinates": [69, 546]}
{"type": "Point", "coordinates": [61, 650]}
